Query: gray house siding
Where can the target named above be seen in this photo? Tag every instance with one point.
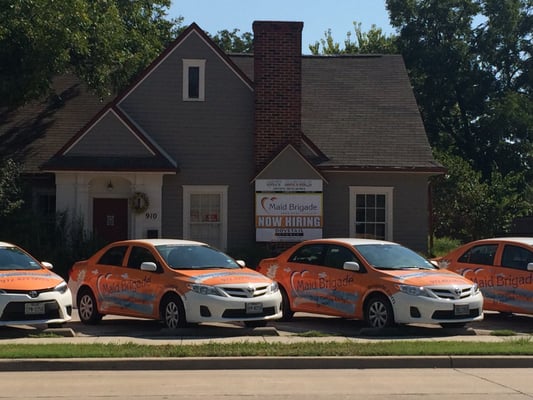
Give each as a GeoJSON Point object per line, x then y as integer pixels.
{"type": "Point", "coordinates": [410, 202]}
{"type": "Point", "coordinates": [110, 137]}
{"type": "Point", "coordinates": [211, 140]}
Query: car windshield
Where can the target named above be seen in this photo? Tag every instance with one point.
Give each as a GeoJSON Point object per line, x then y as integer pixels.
{"type": "Point", "coordinates": [195, 257]}
{"type": "Point", "coordinates": [13, 258]}
{"type": "Point", "coordinates": [390, 256]}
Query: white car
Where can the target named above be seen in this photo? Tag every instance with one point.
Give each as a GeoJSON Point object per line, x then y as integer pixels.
{"type": "Point", "coordinates": [30, 293]}
{"type": "Point", "coordinates": [175, 281]}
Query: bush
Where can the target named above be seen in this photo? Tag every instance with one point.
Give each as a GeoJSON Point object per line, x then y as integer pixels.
{"type": "Point", "coordinates": [442, 246]}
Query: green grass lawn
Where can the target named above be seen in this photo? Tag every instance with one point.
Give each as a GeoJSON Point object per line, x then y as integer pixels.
{"type": "Point", "coordinates": [508, 346]}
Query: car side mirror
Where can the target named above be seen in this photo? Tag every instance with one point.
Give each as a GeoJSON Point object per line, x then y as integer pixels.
{"type": "Point", "coordinates": [148, 266]}
{"type": "Point", "coordinates": [47, 265]}
{"type": "Point", "coordinates": [530, 267]}
{"type": "Point", "coordinates": [351, 266]}
{"type": "Point", "coordinates": [241, 263]}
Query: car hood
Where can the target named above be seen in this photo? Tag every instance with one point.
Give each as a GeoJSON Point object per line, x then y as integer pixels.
{"type": "Point", "coordinates": [28, 280]}
{"type": "Point", "coordinates": [224, 276]}
{"type": "Point", "coordinates": [427, 278]}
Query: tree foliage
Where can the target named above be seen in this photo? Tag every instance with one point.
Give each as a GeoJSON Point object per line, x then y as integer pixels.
{"type": "Point", "coordinates": [231, 42]}
{"type": "Point", "coordinates": [104, 42]}
{"type": "Point", "coordinates": [372, 42]}
{"type": "Point", "coordinates": [10, 189]}
{"type": "Point", "coordinates": [470, 65]}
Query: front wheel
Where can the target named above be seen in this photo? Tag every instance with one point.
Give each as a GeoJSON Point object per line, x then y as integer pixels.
{"type": "Point", "coordinates": [379, 313]}
{"type": "Point", "coordinates": [87, 308]}
{"type": "Point", "coordinates": [285, 306]}
{"type": "Point", "coordinates": [256, 324]}
{"type": "Point", "coordinates": [173, 312]}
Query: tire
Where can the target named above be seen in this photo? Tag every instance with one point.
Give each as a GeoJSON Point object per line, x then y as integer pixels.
{"type": "Point", "coordinates": [453, 325]}
{"type": "Point", "coordinates": [379, 313]}
{"type": "Point", "coordinates": [87, 307]}
{"type": "Point", "coordinates": [255, 324]}
{"type": "Point", "coordinates": [285, 306]}
{"type": "Point", "coordinates": [172, 312]}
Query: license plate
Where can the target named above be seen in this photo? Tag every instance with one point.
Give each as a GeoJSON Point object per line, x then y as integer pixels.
{"type": "Point", "coordinates": [33, 308]}
{"type": "Point", "coordinates": [461, 309]}
{"type": "Point", "coordinates": [254, 308]}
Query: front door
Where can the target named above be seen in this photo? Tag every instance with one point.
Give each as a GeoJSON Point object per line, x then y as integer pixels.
{"type": "Point", "coordinates": [110, 219]}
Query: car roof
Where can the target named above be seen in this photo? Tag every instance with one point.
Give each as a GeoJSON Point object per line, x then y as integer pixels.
{"type": "Point", "coordinates": [159, 242]}
{"type": "Point", "coordinates": [350, 241]}
{"type": "Point", "coordinates": [522, 240]}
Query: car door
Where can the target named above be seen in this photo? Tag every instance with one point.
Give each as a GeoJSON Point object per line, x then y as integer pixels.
{"type": "Point", "coordinates": [105, 278]}
{"type": "Point", "coordinates": [140, 288]}
{"type": "Point", "coordinates": [477, 264]}
{"type": "Point", "coordinates": [512, 282]}
{"type": "Point", "coordinates": [319, 284]}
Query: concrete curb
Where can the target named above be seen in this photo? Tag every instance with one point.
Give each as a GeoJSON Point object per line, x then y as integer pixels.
{"type": "Point", "coordinates": [232, 363]}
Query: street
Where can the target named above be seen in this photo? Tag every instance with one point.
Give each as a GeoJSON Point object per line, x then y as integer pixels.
{"type": "Point", "coordinates": [369, 384]}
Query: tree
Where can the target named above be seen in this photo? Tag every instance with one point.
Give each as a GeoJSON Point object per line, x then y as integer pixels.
{"type": "Point", "coordinates": [104, 42]}
{"type": "Point", "coordinates": [371, 42]}
{"type": "Point", "coordinates": [470, 65]}
{"type": "Point", "coordinates": [231, 42]}
{"type": "Point", "coordinates": [10, 189]}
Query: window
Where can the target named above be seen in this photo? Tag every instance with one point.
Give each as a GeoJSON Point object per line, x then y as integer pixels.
{"type": "Point", "coordinates": [139, 255]}
{"type": "Point", "coordinates": [113, 256]}
{"type": "Point", "coordinates": [482, 254]}
{"type": "Point", "coordinates": [336, 256]}
{"type": "Point", "coordinates": [310, 254]}
{"type": "Point", "coordinates": [193, 80]}
{"type": "Point", "coordinates": [516, 257]}
{"type": "Point", "coordinates": [204, 214]}
{"type": "Point", "coordinates": [371, 212]}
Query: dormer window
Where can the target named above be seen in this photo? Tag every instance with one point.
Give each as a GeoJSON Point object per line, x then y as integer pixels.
{"type": "Point", "coordinates": [193, 80]}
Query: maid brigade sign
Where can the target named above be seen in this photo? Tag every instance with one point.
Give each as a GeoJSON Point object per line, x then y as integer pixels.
{"type": "Point", "coordinates": [288, 210]}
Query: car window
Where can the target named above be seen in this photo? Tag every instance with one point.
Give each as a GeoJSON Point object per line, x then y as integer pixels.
{"type": "Point", "coordinates": [336, 256]}
{"type": "Point", "coordinates": [138, 255]}
{"type": "Point", "coordinates": [392, 256]}
{"type": "Point", "coordinates": [482, 254]}
{"type": "Point", "coordinates": [195, 257]}
{"type": "Point", "coordinates": [13, 258]}
{"type": "Point", "coordinates": [113, 256]}
{"type": "Point", "coordinates": [310, 254]}
{"type": "Point", "coordinates": [516, 257]}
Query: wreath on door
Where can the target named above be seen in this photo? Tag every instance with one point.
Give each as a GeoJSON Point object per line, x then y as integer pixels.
{"type": "Point", "coordinates": [139, 202]}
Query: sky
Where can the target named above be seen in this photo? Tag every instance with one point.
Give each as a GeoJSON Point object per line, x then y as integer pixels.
{"type": "Point", "coordinates": [317, 15]}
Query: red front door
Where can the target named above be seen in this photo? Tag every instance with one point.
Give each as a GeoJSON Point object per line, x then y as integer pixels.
{"type": "Point", "coordinates": [110, 219]}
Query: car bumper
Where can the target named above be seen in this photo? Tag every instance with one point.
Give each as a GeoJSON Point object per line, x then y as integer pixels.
{"type": "Point", "coordinates": [209, 308]}
{"type": "Point", "coordinates": [47, 308]}
{"type": "Point", "coordinates": [418, 309]}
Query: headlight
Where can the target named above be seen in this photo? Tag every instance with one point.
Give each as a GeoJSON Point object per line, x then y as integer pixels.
{"type": "Point", "coordinates": [414, 290]}
{"type": "Point", "coordinates": [206, 290]}
{"type": "Point", "coordinates": [273, 288]}
{"type": "Point", "coordinates": [475, 289]}
{"type": "Point", "coordinates": [61, 288]}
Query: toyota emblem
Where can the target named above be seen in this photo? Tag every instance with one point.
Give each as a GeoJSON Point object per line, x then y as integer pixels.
{"type": "Point", "coordinates": [33, 293]}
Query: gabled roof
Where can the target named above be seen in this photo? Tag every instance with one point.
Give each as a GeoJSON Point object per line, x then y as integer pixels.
{"type": "Point", "coordinates": [360, 112]}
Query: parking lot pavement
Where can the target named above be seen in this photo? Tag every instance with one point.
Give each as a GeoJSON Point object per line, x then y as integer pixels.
{"type": "Point", "coordinates": [302, 327]}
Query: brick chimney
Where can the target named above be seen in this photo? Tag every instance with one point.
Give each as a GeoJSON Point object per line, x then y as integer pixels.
{"type": "Point", "coordinates": [278, 87]}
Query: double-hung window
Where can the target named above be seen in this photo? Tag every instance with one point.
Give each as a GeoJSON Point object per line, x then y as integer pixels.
{"type": "Point", "coordinates": [371, 212]}
{"type": "Point", "coordinates": [205, 214]}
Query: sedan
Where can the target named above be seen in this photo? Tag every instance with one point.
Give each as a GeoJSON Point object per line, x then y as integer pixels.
{"type": "Point", "coordinates": [377, 281]}
{"type": "Point", "coordinates": [30, 293]}
{"type": "Point", "coordinates": [174, 281]}
{"type": "Point", "coordinates": [503, 269]}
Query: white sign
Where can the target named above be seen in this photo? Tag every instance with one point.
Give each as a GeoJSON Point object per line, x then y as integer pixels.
{"type": "Point", "coordinates": [288, 210]}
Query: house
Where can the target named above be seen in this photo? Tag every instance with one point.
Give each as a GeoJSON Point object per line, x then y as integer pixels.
{"type": "Point", "coordinates": [237, 150]}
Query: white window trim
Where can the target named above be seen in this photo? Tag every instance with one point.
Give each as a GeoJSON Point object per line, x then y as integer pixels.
{"type": "Point", "coordinates": [387, 191]}
{"type": "Point", "coordinates": [201, 79]}
{"type": "Point", "coordinates": [189, 190]}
